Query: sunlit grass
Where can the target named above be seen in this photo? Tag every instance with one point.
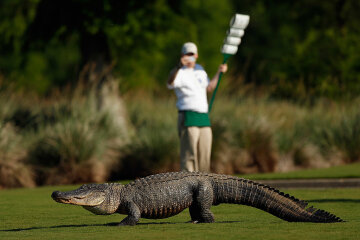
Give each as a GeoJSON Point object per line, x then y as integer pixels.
{"type": "Point", "coordinates": [32, 214]}
{"type": "Point", "coordinates": [344, 171]}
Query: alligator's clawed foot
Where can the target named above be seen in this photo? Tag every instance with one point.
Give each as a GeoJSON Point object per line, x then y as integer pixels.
{"type": "Point", "coordinates": [193, 221]}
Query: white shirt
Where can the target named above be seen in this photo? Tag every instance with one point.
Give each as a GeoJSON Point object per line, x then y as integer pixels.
{"type": "Point", "coordinates": [190, 88]}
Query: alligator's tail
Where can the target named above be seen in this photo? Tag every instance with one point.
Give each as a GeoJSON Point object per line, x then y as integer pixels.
{"type": "Point", "coordinates": [242, 191]}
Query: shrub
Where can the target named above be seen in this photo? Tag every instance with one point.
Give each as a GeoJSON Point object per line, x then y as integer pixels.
{"type": "Point", "coordinates": [153, 146]}
{"type": "Point", "coordinates": [77, 138]}
{"type": "Point", "coordinates": [68, 151]}
{"type": "Point", "coordinates": [344, 136]}
{"type": "Point", "coordinates": [245, 132]}
{"type": "Point", "coordinates": [150, 151]}
{"type": "Point", "coordinates": [13, 171]}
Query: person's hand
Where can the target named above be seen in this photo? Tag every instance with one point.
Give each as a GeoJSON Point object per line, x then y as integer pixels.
{"type": "Point", "coordinates": [184, 60]}
{"type": "Point", "coordinates": [223, 68]}
{"type": "Point", "coordinates": [188, 60]}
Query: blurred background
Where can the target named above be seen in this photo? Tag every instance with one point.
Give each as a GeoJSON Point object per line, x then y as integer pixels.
{"type": "Point", "coordinates": [83, 95]}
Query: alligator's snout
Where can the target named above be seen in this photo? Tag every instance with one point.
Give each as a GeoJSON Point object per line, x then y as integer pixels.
{"type": "Point", "coordinates": [55, 195]}
{"type": "Point", "coordinates": [86, 195]}
{"type": "Point", "coordinates": [59, 197]}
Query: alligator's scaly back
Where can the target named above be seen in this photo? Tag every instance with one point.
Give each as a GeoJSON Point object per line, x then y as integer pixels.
{"type": "Point", "coordinates": [229, 189]}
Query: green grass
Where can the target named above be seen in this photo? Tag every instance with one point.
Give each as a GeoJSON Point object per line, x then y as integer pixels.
{"type": "Point", "coordinates": [344, 171]}
{"type": "Point", "coordinates": [32, 214]}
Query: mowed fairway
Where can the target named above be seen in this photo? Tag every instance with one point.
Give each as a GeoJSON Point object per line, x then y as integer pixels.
{"type": "Point", "coordinates": [32, 214]}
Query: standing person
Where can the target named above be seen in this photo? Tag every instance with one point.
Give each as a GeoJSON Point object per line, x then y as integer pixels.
{"type": "Point", "coordinates": [191, 84]}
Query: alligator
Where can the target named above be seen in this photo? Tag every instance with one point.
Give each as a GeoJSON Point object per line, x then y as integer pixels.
{"type": "Point", "coordinates": [167, 194]}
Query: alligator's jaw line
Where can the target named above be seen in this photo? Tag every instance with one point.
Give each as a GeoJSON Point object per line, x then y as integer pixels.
{"type": "Point", "coordinates": [75, 200]}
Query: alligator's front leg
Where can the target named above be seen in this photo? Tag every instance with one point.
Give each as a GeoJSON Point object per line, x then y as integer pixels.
{"type": "Point", "coordinates": [134, 214]}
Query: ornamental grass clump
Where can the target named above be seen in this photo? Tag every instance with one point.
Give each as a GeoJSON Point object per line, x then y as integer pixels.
{"type": "Point", "coordinates": [78, 144]}
{"type": "Point", "coordinates": [243, 137]}
{"type": "Point", "coordinates": [153, 145]}
{"type": "Point", "coordinates": [257, 139]}
{"type": "Point", "coordinates": [344, 136]}
{"type": "Point", "coordinates": [13, 170]}
{"type": "Point", "coordinates": [151, 151]}
{"type": "Point", "coordinates": [67, 153]}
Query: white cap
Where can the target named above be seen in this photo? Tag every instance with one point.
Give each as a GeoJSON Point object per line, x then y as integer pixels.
{"type": "Point", "coordinates": [189, 47]}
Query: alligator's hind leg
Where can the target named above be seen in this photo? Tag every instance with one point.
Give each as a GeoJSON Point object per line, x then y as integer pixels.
{"type": "Point", "coordinates": [194, 213]}
{"type": "Point", "coordinates": [200, 209]}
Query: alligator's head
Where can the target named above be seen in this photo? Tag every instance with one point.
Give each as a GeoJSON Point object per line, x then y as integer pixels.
{"type": "Point", "coordinates": [97, 198]}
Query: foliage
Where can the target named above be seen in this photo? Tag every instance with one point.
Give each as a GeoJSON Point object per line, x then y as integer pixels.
{"type": "Point", "coordinates": [13, 170]}
{"type": "Point", "coordinates": [74, 146]}
{"type": "Point", "coordinates": [142, 38]}
{"type": "Point", "coordinates": [344, 136]}
{"type": "Point", "coordinates": [69, 138]}
{"type": "Point", "coordinates": [64, 139]}
{"type": "Point", "coordinates": [153, 146]}
{"type": "Point", "coordinates": [344, 171]}
{"type": "Point", "coordinates": [312, 50]}
{"type": "Point", "coordinates": [302, 49]}
{"type": "Point", "coordinates": [249, 134]}
{"type": "Point", "coordinates": [286, 132]}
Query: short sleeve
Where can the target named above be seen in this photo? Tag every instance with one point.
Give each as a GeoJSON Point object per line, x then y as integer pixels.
{"type": "Point", "coordinates": [178, 79]}
{"type": "Point", "coordinates": [202, 76]}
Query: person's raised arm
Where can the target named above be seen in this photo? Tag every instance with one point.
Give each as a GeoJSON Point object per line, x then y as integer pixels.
{"type": "Point", "coordinates": [184, 61]}
{"type": "Point", "coordinates": [213, 82]}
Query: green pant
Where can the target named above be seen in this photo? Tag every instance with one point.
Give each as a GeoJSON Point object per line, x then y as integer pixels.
{"type": "Point", "coordinates": [195, 147]}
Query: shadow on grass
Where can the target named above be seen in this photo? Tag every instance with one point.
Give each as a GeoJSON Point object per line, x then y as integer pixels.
{"type": "Point", "coordinates": [340, 200]}
{"type": "Point", "coordinates": [114, 224]}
